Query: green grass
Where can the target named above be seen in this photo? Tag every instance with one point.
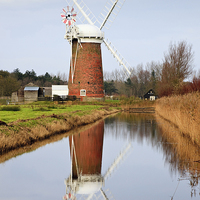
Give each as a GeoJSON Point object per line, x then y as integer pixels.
{"type": "Point", "coordinates": [35, 110]}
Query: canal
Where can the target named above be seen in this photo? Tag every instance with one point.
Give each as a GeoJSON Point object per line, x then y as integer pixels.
{"type": "Point", "coordinates": [126, 156]}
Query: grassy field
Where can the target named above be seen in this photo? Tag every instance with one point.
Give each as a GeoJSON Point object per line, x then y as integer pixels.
{"type": "Point", "coordinates": [10, 113]}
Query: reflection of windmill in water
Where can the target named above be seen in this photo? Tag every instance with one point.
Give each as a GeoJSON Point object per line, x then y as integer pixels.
{"type": "Point", "coordinates": [86, 74]}
{"type": "Point", "coordinates": [85, 180]}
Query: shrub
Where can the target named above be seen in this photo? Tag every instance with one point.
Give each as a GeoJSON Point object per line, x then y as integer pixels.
{"type": "Point", "coordinates": [10, 108]}
{"type": "Point", "coordinates": [42, 109]}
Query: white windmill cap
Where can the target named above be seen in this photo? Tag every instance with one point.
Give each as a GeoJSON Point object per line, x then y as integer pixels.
{"type": "Point", "coordinates": [89, 187]}
{"type": "Point", "coordinates": [89, 33]}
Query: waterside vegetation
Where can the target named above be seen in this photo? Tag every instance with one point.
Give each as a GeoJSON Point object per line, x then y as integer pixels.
{"type": "Point", "coordinates": [183, 111]}
{"type": "Point", "coordinates": [25, 124]}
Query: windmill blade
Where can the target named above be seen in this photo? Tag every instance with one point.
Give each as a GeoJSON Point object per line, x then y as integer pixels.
{"type": "Point", "coordinates": [118, 56]}
{"type": "Point", "coordinates": [87, 14]}
{"type": "Point", "coordinates": [64, 10]}
{"type": "Point", "coordinates": [71, 3]}
{"type": "Point", "coordinates": [104, 194]}
{"type": "Point", "coordinates": [117, 161]}
{"type": "Point", "coordinates": [63, 15]}
{"type": "Point", "coordinates": [110, 11]}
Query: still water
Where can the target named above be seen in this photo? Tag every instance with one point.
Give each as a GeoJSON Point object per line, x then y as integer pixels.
{"type": "Point", "coordinates": [127, 156]}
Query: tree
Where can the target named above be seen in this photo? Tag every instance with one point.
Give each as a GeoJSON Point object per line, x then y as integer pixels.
{"type": "Point", "coordinates": [31, 75]}
{"type": "Point", "coordinates": [109, 88]}
{"type": "Point", "coordinates": [17, 74]}
{"type": "Point", "coordinates": [177, 66]}
{"type": "Point", "coordinates": [8, 85]}
{"type": "Point", "coordinates": [129, 87]}
{"type": "Point", "coordinates": [4, 73]}
{"type": "Point", "coordinates": [144, 77]}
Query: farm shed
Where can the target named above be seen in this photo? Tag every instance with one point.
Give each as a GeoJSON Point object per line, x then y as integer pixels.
{"type": "Point", "coordinates": [32, 92]}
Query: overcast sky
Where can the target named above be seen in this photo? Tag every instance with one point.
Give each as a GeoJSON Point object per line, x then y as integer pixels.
{"type": "Point", "coordinates": [32, 33]}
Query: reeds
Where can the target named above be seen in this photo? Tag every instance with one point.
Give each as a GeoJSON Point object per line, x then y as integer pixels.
{"type": "Point", "coordinates": [184, 112]}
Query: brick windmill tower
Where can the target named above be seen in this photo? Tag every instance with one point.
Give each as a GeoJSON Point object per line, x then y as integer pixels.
{"type": "Point", "coordinates": [86, 73]}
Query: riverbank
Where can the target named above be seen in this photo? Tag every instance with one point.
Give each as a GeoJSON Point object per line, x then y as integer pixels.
{"type": "Point", "coordinates": [45, 123]}
{"type": "Point", "coordinates": [184, 112]}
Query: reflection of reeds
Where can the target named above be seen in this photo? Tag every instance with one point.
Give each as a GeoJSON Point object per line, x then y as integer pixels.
{"type": "Point", "coordinates": [184, 112]}
{"type": "Point", "coordinates": [180, 152]}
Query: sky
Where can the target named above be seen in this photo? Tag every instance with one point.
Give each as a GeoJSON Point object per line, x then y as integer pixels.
{"type": "Point", "coordinates": [32, 33]}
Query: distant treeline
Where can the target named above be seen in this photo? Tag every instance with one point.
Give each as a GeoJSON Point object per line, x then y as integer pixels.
{"type": "Point", "coordinates": [165, 78]}
{"type": "Point", "coordinates": [11, 82]}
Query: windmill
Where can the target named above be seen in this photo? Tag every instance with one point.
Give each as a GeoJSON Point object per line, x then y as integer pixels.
{"type": "Point", "coordinates": [83, 185]}
{"type": "Point", "coordinates": [86, 74]}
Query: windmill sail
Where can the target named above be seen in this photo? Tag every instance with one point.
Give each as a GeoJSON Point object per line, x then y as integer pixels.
{"type": "Point", "coordinates": [117, 161]}
{"type": "Point", "coordinates": [85, 15]}
{"type": "Point", "coordinates": [91, 19]}
{"type": "Point", "coordinates": [121, 60]}
{"type": "Point", "coordinates": [110, 11]}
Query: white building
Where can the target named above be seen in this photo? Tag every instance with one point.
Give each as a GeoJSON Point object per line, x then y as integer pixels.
{"type": "Point", "coordinates": [60, 90]}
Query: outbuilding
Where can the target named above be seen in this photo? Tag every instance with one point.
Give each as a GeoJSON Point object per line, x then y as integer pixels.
{"type": "Point", "coordinates": [32, 92]}
{"type": "Point", "coordinates": [60, 90]}
{"type": "Point", "coordinates": [150, 95]}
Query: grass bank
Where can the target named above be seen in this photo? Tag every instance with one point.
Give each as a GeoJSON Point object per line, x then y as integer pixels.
{"type": "Point", "coordinates": [184, 112]}
{"type": "Point", "coordinates": [23, 125]}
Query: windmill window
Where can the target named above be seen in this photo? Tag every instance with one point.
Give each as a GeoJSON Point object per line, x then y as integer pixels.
{"type": "Point", "coordinates": [83, 92]}
{"type": "Point", "coordinates": [79, 82]}
{"type": "Point", "coordinates": [88, 83]}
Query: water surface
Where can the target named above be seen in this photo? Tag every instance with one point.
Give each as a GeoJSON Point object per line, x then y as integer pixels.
{"type": "Point", "coordinates": [127, 156]}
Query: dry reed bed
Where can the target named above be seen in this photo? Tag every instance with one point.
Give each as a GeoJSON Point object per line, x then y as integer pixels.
{"type": "Point", "coordinates": [181, 153]}
{"type": "Point", "coordinates": [61, 123]}
{"type": "Point", "coordinates": [184, 112]}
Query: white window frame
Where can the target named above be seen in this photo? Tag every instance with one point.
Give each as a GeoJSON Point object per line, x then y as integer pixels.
{"type": "Point", "coordinates": [82, 91]}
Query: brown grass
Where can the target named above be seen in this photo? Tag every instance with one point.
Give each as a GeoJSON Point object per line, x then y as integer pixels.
{"type": "Point", "coordinates": [19, 135]}
{"type": "Point", "coordinates": [37, 144]}
{"type": "Point", "coordinates": [184, 112]}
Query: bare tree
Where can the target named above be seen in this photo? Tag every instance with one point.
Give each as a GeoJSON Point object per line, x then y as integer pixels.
{"type": "Point", "coordinates": [179, 61]}
{"type": "Point", "coordinates": [177, 66]}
